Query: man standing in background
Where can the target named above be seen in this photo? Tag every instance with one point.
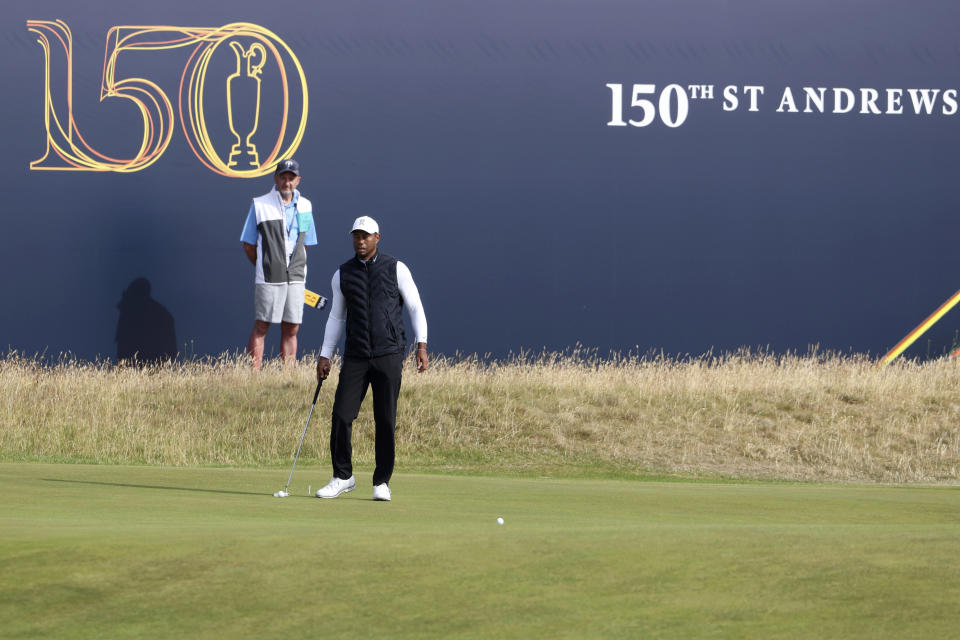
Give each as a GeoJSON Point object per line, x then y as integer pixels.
{"type": "Point", "coordinates": [369, 291]}
{"type": "Point", "coordinates": [278, 229]}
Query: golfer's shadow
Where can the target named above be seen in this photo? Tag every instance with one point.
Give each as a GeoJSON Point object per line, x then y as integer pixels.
{"type": "Point", "coordinates": [155, 486]}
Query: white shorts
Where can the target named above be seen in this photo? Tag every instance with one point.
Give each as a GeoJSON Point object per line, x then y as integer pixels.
{"type": "Point", "coordinates": [279, 302]}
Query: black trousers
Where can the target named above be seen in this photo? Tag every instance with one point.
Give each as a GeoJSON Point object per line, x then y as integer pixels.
{"type": "Point", "coordinates": [383, 376]}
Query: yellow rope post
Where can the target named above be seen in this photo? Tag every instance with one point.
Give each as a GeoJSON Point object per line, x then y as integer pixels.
{"type": "Point", "coordinates": [921, 328]}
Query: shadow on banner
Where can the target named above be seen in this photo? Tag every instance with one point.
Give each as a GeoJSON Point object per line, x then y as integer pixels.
{"type": "Point", "coordinates": [145, 329]}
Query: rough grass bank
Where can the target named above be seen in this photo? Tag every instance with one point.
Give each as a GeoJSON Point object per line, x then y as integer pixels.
{"type": "Point", "coordinates": [816, 417]}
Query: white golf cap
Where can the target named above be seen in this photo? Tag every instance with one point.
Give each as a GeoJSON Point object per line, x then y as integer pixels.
{"type": "Point", "coordinates": [365, 223]}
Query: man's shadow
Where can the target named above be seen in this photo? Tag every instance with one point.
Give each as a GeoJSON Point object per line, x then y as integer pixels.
{"type": "Point", "coordinates": [145, 330]}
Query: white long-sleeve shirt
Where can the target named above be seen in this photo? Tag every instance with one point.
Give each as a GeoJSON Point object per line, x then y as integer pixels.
{"type": "Point", "coordinates": [338, 312]}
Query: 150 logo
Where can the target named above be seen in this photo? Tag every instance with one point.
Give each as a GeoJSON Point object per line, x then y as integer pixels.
{"type": "Point", "coordinates": [256, 51]}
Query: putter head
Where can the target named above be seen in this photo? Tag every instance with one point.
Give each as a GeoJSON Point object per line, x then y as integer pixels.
{"type": "Point", "coordinates": [281, 494]}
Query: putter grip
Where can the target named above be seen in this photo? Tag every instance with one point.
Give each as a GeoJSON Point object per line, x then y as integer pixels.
{"type": "Point", "coordinates": [317, 392]}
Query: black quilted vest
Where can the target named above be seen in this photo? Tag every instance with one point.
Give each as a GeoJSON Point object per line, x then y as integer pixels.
{"type": "Point", "coordinates": [374, 307]}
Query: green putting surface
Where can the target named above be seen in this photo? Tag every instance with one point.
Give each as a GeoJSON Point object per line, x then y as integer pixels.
{"type": "Point", "coordinates": [147, 552]}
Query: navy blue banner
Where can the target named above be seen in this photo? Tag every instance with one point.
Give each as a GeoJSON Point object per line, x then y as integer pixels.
{"type": "Point", "coordinates": [666, 175]}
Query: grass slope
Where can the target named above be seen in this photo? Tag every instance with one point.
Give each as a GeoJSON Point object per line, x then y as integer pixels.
{"type": "Point", "coordinates": [761, 416]}
{"type": "Point", "coordinates": [120, 552]}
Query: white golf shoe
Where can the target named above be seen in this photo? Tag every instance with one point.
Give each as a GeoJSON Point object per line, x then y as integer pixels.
{"type": "Point", "coordinates": [381, 492]}
{"type": "Point", "coordinates": [336, 486]}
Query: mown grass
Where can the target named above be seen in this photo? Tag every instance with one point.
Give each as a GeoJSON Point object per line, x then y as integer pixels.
{"type": "Point", "coordinates": [96, 551]}
{"type": "Point", "coordinates": [817, 417]}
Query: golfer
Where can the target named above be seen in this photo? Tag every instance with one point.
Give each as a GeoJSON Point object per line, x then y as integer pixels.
{"type": "Point", "coordinates": [278, 230]}
{"type": "Point", "coordinates": [368, 292]}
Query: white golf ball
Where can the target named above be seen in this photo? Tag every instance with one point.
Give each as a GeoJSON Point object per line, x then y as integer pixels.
{"type": "Point", "coordinates": [499, 520]}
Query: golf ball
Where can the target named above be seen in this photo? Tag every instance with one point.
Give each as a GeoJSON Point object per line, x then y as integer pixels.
{"type": "Point", "coordinates": [499, 520]}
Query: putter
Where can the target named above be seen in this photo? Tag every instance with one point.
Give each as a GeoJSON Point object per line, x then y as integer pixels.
{"type": "Point", "coordinates": [285, 492]}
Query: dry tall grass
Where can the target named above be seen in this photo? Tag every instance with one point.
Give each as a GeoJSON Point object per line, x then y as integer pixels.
{"type": "Point", "coordinates": [748, 415]}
